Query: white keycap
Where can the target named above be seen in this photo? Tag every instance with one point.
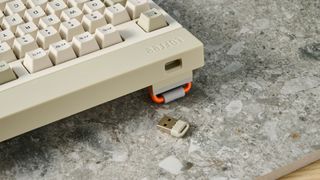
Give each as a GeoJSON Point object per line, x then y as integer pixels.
{"type": "Point", "coordinates": [34, 14]}
{"type": "Point", "coordinates": [77, 3]}
{"type": "Point", "coordinates": [84, 44]}
{"type": "Point", "coordinates": [152, 20]}
{"type": "Point", "coordinates": [14, 7]}
{"type": "Point", "coordinates": [34, 3]}
{"type": "Point", "coordinates": [70, 28]}
{"type": "Point", "coordinates": [93, 5]}
{"type": "Point", "coordinates": [19, 69]}
{"type": "Point", "coordinates": [116, 14]}
{"type": "Point", "coordinates": [37, 60]}
{"type": "Point", "coordinates": [3, 4]}
{"type": "Point", "coordinates": [27, 28]}
{"type": "Point", "coordinates": [51, 20]}
{"type": "Point", "coordinates": [136, 7]}
{"type": "Point", "coordinates": [56, 7]}
{"type": "Point", "coordinates": [92, 21]}
{"type": "Point", "coordinates": [107, 36]}
{"type": "Point", "coordinates": [24, 44]}
{"type": "Point", "coordinates": [11, 22]}
{"type": "Point", "coordinates": [6, 53]}
{"type": "Point", "coordinates": [47, 36]}
{"type": "Point", "coordinates": [6, 73]}
{"type": "Point", "coordinates": [113, 2]}
{"type": "Point", "coordinates": [61, 52]}
{"type": "Point", "coordinates": [7, 36]}
{"type": "Point", "coordinates": [72, 13]}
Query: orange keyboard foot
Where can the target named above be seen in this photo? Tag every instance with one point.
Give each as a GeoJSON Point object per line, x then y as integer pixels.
{"type": "Point", "coordinates": [170, 95]}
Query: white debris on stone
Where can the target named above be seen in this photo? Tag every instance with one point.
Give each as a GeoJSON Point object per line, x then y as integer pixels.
{"type": "Point", "coordinates": [119, 156]}
{"type": "Point", "coordinates": [172, 165]}
{"type": "Point", "coordinates": [236, 49]}
{"type": "Point", "coordinates": [233, 108]}
{"type": "Point", "coordinates": [269, 129]}
{"type": "Point", "coordinates": [193, 146]}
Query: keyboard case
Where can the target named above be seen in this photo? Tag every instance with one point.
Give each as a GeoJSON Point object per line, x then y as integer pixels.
{"type": "Point", "coordinates": [138, 62]}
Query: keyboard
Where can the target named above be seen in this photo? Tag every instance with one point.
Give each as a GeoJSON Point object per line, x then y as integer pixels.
{"type": "Point", "coordinates": [59, 57]}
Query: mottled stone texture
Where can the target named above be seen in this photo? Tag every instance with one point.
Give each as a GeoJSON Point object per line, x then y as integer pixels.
{"type": "Point", "coordinates": [255, 106]}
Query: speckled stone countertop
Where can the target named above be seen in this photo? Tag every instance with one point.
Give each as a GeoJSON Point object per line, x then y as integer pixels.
{"type": "Point", "coordinates": [255, 106]}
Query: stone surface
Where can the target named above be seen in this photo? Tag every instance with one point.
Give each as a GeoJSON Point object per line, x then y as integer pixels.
{"type": "Point", "coordinates": [255, 106]}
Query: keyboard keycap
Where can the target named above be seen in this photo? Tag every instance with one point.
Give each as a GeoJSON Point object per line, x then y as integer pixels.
{"type": "Point", "coordinates": [51, 20]}
{"type": "Point", "coordinates": [34, 14]}
{"type": "Point", "coordinates": [34, 3]}
{"type": "Point", "coordinates": [47, 36]}
{"type": "Point", "coordinates": [37, 60]}
{"type": "Point", "coordinates": [113, 2]}
{"type": "Point", "coordinates": [27, 28]}
{"type": "Point", "coordinates": [7, 36]}
{"type": "Point", "coordinates": [84, 44]}
{"type": "Point", "coordinates": [136, 7]}
{"type": "Point", "coordinates": [6, 53]}
{"type": "Point", "coordinates": [152, 20]}
{"type": "Point", "coordinates": [77, 3]}
{"type": "Point", "coordinates": [92, 21]}
{"type": "Point", "coordinates": [11, 22]}
{"type": "Point", "coordinates": [61, 52]}
{"type": "Point", "coordinates": [72, 13]}
{"type": "Point", "coordinates": [6, 73]}
{"type": "Point", "coordinates": [116, 14]}
{"type": "Point", "coordinates": [70, 28]}
{"type": "Point", "coordinates": [93, 5]}
{"type": "Point", "coordinates": [14, 7]}
{"type": "Point", "coordinates": [19, 69]}
{"type": "Point", "coordinates": [107, 36]}
{"type": "Point", "coordinates": [56, 7]}
{"type": "Point", "coordinates": [3, 4]}
{"type": "Point", "coordinates": [24, 44]}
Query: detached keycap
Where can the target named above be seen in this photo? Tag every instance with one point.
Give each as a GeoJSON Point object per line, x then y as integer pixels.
{"type": "Point", "coordinates": [152, 20]}
{"type": "Point", "coordinates": [6, 73]}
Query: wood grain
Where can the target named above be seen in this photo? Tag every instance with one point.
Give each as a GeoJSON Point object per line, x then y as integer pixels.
{"type": "Point", "coordinates": [310, 172]}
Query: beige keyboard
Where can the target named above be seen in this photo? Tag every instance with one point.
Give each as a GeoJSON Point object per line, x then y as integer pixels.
{"type": "Point", "coordinates": [60, 57]}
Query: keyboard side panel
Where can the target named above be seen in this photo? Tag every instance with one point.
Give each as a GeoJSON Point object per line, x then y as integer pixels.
{"type": "Point", "coordinates": [115, 74]}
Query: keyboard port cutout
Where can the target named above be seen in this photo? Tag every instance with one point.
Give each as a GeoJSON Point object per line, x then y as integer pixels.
{"type": "Point", "coordinates": [173, 65]}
